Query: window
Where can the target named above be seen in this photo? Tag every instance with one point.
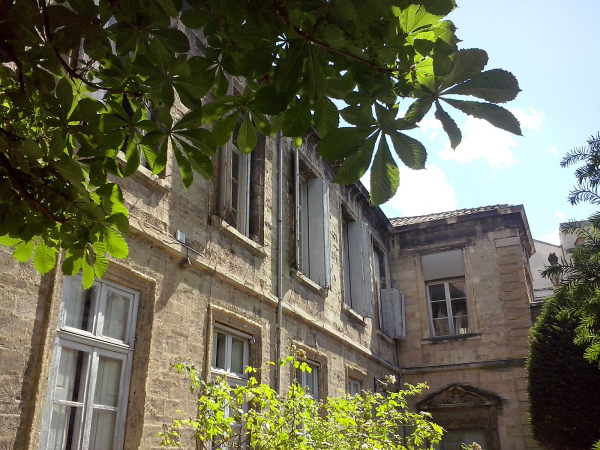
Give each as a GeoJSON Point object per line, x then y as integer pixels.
{"type": "Point", "coordinates": [358, 289]}
{"type": "Point", "coordinates": [234, 199]}
{"type": "Point", "coordinates": [313, 248]}
{"type": "Point", "coordinates": [444, 274]}
{"type": "Point", "coordinates": [230, 354]}
{"type": "Point", "coordinates": [309, 380]}
{"type": "Point", "coordinates": [354, 387]}
{"type": "Point", "coordinates": [455, 439]}
{"type": "Point", "coordinates": [89, 379]}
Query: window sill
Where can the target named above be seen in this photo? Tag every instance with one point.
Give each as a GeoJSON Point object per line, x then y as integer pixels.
{"type": "Point", "coordinates": [323, 292]}
{"type": "Point", "coordinates": [231, 232]}
{"type": "Point", "coordinates": [457, 337]}
{"type": "Point", "coordinates": [144, 176]}
{"type": "Point", "coordinates": [352, 313]}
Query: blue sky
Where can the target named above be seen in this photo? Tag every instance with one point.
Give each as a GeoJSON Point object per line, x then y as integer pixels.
{"type": "Point", "coordinates": [553, 48]}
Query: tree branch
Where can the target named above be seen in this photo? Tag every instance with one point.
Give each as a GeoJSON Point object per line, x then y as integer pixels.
{"type": "Point", "coordinates": [22, 190]}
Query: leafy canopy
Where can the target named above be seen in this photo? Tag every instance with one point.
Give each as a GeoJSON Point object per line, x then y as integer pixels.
{"type": "Point", "coordinates": [87, 89]}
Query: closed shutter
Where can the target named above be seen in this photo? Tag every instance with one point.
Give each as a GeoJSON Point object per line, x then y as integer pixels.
{"type": "Point", "coordinates": [368, 283]}
{"type": "Point", "coordinates": [319, 245]}
{"type": "Point", "coordinates": [297, 213]}
{"type": "Point", "coordinates": [392, 307]}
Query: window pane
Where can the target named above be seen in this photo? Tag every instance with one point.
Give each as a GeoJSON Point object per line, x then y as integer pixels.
{"type": "Point", "coordinates": [71, 376]}
{"type": "Point", "coordinates": [102, 434]}
{"type": "Point", "coordinates": [219, 349]}
{"type": "Point", "coordinates": [310, 382]}
{"type": "Point", "coordinates": [439, 310]}
{"type": "Point", "coordinates": [237, 355]}
{"type": "Point", "coordinates": [64, 428]}
{"type": "Point", "coordinates": [107, 381]}
{"type": "Point", "coordinates": [457, 289]}
{"type": "Point", "coordinates": [79, 306]}
{"type": "Point", "coordinates": [459, 307]}
{"type": "Point", "coordinates": [437, 292]}
{"type": "Point", "coordinates": [116, 314]}
{"type": "Point", "coordinates": [441, 327]}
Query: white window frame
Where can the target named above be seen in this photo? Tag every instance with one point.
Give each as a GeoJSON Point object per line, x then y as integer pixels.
{"type": "Point", "coordinates": [450, 312]}
{"type": "Point", "coordinates": [354, 386]}
{"type": "Point", "coordinates": [234, 377]}
{"type": "Point", "coordinates": [302, 378]}
{"type": "Point", "coordinates": [240, 216]}
{"type": "Point", "coordinates": [96, 345]}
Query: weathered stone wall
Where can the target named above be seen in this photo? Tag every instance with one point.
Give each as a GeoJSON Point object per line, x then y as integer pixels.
{"type": "Point", "coordinates": [222, 277]}
{"type": "Point", "coordinates": [492, 356]}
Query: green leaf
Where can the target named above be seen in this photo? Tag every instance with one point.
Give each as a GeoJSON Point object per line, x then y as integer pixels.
{"type": "Point", "coordinates": [296, 120]}
{"type": "Point", "coordinates": [8, 241]}
{"type": "Point", "coordinates": [195, 18]}
{"type": "Point", "coordinates": [410, 151]}
{"type": "Point", "coordinates": [246, 139]}
{"type": "Point", "coordinates": [88, 275]}
{"type": "Point", "coordinates": [418, 109]}
{"type": "Point", "coordinates": [385, 176]}
{"type": "Point", "coordinates": [173, 39]}
{"type": "Point", "coordinates": [200, 138]}
{"type": "Point", "coordinates": [23, 250]}
{"type": "Point", "coordinates": [120, 220]}
{"type": "Point", "coordinates": [357, 164]}
{"type": "Point", "coordinates": [72, 264]}
{"type": "Point", "coordinates": [185, 169]}
{"type": "Point", "coordinates": [466, 64]}
{"type": "Point", "coordinates": [269, 100]}
{"type": "Point", "coordinates": [326, 116]}
{"type": "Point", "coordinates": [224, 128]}
{"type": "Point", "coordinates": [199, 161]}
{"type": "Point", "coordinates": [449, 126]}
{"type": "Point", "coordinates": [116, 245]}
{"type": "Point", "coordinates": [495, 86]}
{"type": "Point", "coordinates": [101, 263]}
{"type": "Point", "coordinates": [494, 114]}
{"type": "Point", "coordinates": [342, 142]}
{"type": "Point", "coordinates": [360, 116]}
{"type": "Point", "coordinates": [314, 79]}
{"type": "Point", "coordinates": [289, 69]}
{"type": "Point", "coordinates": [44, 257]}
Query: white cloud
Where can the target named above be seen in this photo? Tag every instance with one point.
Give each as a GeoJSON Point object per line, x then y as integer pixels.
{"type": "Point", "coordinates": [560, 215]}
{"type": "Point", "coordinates": [552, 238]}
{"type": "Point", "coordinates": [552, 150]}
{"type": "Point", "coordinates": [421, 192]}
{"type": "Point", "coordinates": [484, 141]}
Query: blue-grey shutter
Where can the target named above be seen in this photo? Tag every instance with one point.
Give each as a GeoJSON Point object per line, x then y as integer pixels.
{"type": "Point", "coordinates": [392, 309]}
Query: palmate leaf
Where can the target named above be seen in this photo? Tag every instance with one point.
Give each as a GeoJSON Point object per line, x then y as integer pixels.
{"type": "Point", "coordinates": [224, 128]}
{"type": "Point", "coordinates": [342, 142]}
{"type": "Point", "coordinates": [198, 160]}
{"type": "Point", "coordinates": [449, 126]}
{"type": "Point", "coordinates": [466, 63]}
{"type": "Point", "coordinates": [185, 168]}
{"type": "Point", "coordinates": [326, 117]}
{"type": "Point", "coordinates": [494, 114]}
{"type": "Point", "coordinates": [247, 136]}
{"type": "Point", "coordinates": [23, 250]}
{"type": "Point", "coordinates": [357, 164]}
{"type": "Point", "coordinates": [385, 175]}
{"type": "Point", "coordinates": [418, 109]}
{"type": "Point", "coordinates": [297, 119]}
{"type": "Point", "coordinates": [44, 257]}
{"type": "Point", "coordinates": [116, 245]}
{"type": "Point", "coordinates": [101, 262]}
{"type": "Point", "coordinates": [496, 86]}
{"type": "Point", "coordinates": [410, 151]}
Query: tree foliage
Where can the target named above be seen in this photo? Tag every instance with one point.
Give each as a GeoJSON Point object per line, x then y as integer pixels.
{"type": "Point", "coordinates": [564, 388]}
{"type": "Point", "coordinates": [82, 80]}
{"type": "Point", "coordinates": [254, 416]}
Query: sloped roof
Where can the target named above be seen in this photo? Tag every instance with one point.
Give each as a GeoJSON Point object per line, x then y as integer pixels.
{"type": "Point", "coordinates": [401, 221]}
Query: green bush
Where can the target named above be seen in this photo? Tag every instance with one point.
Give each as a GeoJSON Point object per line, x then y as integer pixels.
{"type": "Point", "coordinates": [564, 388]}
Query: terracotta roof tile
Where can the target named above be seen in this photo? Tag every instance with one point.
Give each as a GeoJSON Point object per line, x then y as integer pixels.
{"type": "Point", "coordinates": [401, 221]}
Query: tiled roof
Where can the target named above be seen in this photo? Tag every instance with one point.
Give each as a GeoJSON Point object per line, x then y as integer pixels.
{"type": "Point", "coordinates": [401, 221]}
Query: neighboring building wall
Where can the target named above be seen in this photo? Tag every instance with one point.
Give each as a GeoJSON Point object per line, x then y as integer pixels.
{"type": "Point", "coordinates": [489, 355]}
{"type": "Point", "coordinates": [219, 278]}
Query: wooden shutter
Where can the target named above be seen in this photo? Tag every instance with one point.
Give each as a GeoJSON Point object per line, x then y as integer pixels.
{"type": "Point", "coordinates": [360, 268]}
{"type": "Point", "coordinates": [319, 244]}
{"type": "Point", "coordinates": [368, 277]}
{"type": "Point", "coordinates": [392, 307]}
{"type": "Point", "coordinates": [297, 224]}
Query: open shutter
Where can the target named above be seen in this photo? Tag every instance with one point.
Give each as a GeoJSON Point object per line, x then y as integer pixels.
{"type": "Point", "coordinates": [297, 223]}
{"type": "Point", "coordinates": [392, 307]}
{"type": "Point", "coordinates": [368, 278]}
{"type": "Point", "coordinates": [224, 180]}
{"type": "Point", "coordinates": [319, 259]}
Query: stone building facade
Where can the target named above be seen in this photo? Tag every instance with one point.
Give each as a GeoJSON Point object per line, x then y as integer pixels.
{"type": "Point", "coordinates": [467, 291]}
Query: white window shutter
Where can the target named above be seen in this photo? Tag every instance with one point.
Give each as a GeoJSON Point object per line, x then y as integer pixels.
{"type": "Point", "coordinates": [368, 278]}
{"type": "Point", "coordinates": [358, 276]}
{"type": "Point", "coordinates": [319, 260]}
{"type": "Point", "coordinates": [297, 208]}
{"type": "Point", "coordinates": [392, 307]}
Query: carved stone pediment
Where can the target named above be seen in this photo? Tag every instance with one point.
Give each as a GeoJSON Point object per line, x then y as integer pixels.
{"type": "Point", "coordinates": [458, 396]}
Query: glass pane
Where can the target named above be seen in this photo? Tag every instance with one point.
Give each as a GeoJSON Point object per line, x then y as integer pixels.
{"type": "Point", "coordinates": [457, 289]}
{"type": "Point", "coordinates": [310, 382]}
{"type": "Point", "coordinates": [461, 325]}
{"type": "Point", "coordinates": [116, 314]}
{"type": "Point", "coordinates": [237, 355]}
{"type": "Point", "coordinates": [437, 292]}
{"type": "Point", "coordinates": [459, 307]}
{"type": "Point", "coordinates": [71, 376]}
{"type": "Point", "coordinates": [79, 306]}
{"type": "Point", "coordinates": [107, 381]}
{"type": "Point", "coordinates": [64, 428]}
{"type": "Point", "coordinates": [219, 349]}
{"type": "Point", "coordinates": [102, 434]}
{"type": "Point", "coordinates": [441, 327]}
{"type": "Point", "coordinates": [439, 310]}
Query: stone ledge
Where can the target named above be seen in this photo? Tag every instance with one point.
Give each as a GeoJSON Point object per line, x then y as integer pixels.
{"type": "Point", "coordinates": [457, 337]}
{"type": "Point", "coordinates": [322, 291]}
{"type": "Point", "coordinates": [231, 232]}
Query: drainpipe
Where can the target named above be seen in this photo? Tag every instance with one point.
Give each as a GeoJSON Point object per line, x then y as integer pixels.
{"type": "Point", "coordinates": [279, 260]}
